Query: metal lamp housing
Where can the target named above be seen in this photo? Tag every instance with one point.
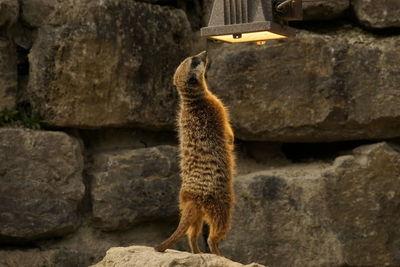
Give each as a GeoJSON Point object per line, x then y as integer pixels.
{"type": "Point", "coordinates": [238, 21]}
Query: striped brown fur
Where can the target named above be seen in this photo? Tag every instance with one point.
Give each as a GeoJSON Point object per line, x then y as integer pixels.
{"type": "Point", "coordinates": [207, 159]}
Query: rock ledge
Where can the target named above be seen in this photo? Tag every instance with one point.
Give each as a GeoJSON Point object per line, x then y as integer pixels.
{"type": "Point", "coordinates": [146, 256]}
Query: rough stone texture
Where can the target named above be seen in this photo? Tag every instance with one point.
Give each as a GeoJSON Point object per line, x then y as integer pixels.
{"type": "Point", "coordinates": [364, 205]}
{"type": "Point", "coordinates": [133, 186]}
{"type": "Point", "coordinates": [40, 184]}
{"type": "Point", "coordinates": [346, 213]}
{"type": "Point", "coordinates": [38, 258]}
{"type": "Point", "coordinates": [311, 88]}
{"type": "Point", "coordinates": [9, 11]}
{"type": "Point", "coordinates": [280, 220]}
{"type": "Point", "coordinates": [139, 256]}
{"type": "Point", "coordinates": [325, 9]}
{"type": "Point", "coordinates": [111, 64]}
{"type": "Point", "coordinates": [38, 12]}
{"type": "Point", "coordinates": [377, 14]}
{"type": "Point", "coordinates": [8, 74]}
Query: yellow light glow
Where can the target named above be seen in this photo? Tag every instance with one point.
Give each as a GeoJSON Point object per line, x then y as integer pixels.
{"type": "Point", "coordinates": [249, 37]}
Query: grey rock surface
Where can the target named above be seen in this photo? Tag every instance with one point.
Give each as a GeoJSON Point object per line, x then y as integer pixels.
{"type": "Point", "coordinates": [39, 258]}
{"type": "Point", "coordinates": [377, 14]}
{"type": "Point", "coordinates": [311, 88]}
{"type": "Point", "coordinates": [38, 12]}
{"type": "Point", "coordinates": [139, 256]}
{"type": "Point", "coordinates": [320, 214]}
{"type": "Point", "coordinates": [40, 184]}
{"type": "Point", "coordinates": [8, 74]}
{"type": "Point", "coordinates": [324, 10]}
{"type": "Point", "coordinates": [108, 64]}
{"type": "Point", "coordinates": [281, 219]}
{"type": "Point", "coordinates": [9, 12]}
{"type": "Point", "coordinates": [133, 186]}
{"type": "Point", "coordinates": [363, 201]}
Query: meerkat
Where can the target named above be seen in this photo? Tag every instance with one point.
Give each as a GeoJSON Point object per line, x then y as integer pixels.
{"type": "Point", "coordinates": [206, 159]}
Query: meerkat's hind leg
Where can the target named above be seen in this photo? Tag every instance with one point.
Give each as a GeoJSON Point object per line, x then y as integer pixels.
{"type": "Point", "coordinates": [189, 214]}
{"type": "Point", "coordinates": [194, 233]}
{"type": "Point", "coordinates": [214, 237]}
{"type": "Point", "coordinates": [218, 218]}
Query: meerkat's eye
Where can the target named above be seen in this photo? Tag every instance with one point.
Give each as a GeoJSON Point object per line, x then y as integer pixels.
{"type": "Point", "coordinates": [195, 62]}
{"type": "Point", "coordinates": [192, 80]}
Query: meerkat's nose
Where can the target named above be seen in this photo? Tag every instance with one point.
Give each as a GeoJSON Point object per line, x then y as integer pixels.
{"type": "Point", "coordinates": [203, 56]}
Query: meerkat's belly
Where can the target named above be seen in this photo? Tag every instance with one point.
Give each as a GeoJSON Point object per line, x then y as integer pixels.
{"type": "Point", "coordinates": [204, 171]}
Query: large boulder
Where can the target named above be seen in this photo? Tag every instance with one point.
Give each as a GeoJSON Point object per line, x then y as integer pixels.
{"type": "Point", "coordinates": [139, 256]}
{"type": "Point", "coordinates": [281, 219]}
{"type": "Point", "coordinates": [324, 10]}
{"type": "Point", "coordinates": [108, 63]}
{"type": "Point", "coordinates": [40, 184]}
{"type": "Point", "coordinates": [377, 14]}
{"type": "Point", "coordinates": [311, 88]}
{"type": "Point", "coordinates": [133, 186]}
{"type": "Point", "coordinates": [8, 74]}
{"type": "Point", "coordinates": [340, 214]}
{"type": "Point", "coordinates": [363, 202]}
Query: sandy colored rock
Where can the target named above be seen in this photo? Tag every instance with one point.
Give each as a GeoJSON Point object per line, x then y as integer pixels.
{"type": "Point", "coordinates": [311, 88]}
{"type": "Point", "coordinates": [40, 184]}
{"type": "Point", "coordinates": [337, 214]}
{"type": "Point", "coordinates": [133, 186]}
{"type": "Point", "coordinates": [109, 65]}
{"type": "Point", "coordinates": [139, 256]}
{"type": "Point", "coordinates": [377, 14]}
{"type": "Point", "coordinates": [8, 74]}
{"type": "Point", "coordinates": [324, 10]}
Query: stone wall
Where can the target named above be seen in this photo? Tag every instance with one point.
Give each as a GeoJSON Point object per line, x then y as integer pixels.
{"type": "Point", "coordinates": [316, 119]}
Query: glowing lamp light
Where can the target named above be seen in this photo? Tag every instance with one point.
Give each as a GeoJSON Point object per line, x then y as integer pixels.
{"type": "Point", "coordinates": [239, 21]}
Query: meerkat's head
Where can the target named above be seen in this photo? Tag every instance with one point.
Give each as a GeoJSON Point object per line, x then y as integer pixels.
{"type": "Point", "coordinates": [189, 77]}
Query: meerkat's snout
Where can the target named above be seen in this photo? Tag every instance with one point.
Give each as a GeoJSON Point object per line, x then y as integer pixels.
{"type": "Point", "coordinates": [202, 56]}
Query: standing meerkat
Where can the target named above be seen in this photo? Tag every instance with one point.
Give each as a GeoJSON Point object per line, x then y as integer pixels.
{"type": "Point", "coordinates": [207, 159]}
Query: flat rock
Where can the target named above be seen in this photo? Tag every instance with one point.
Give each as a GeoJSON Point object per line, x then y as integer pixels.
{"type": "Point", "coordinates": [320, 214]}
{"type": "Point", "coordinates": [324, 10]}
{"type": "Point", "coordinates": [108, 64]}
{"type": "Point", "coordinates": [134, 186]}
{"type": "Point", "coordinates": [40, 184]}
{"type": "Point", "coordinates": [377, 14]}
{"type": "Point", "coordinates": [139, 256]}
{"type": "Point", "coordinates": [8, 74]}
{"type": "Point", "coordinates": [311, 88]}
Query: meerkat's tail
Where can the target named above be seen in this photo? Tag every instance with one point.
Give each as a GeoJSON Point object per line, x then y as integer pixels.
{"type": "Point", "coordinates": [190, 214]}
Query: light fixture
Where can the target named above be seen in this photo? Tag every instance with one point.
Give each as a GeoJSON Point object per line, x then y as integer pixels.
{"type": "Point", "coordinates": [239, 21]}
